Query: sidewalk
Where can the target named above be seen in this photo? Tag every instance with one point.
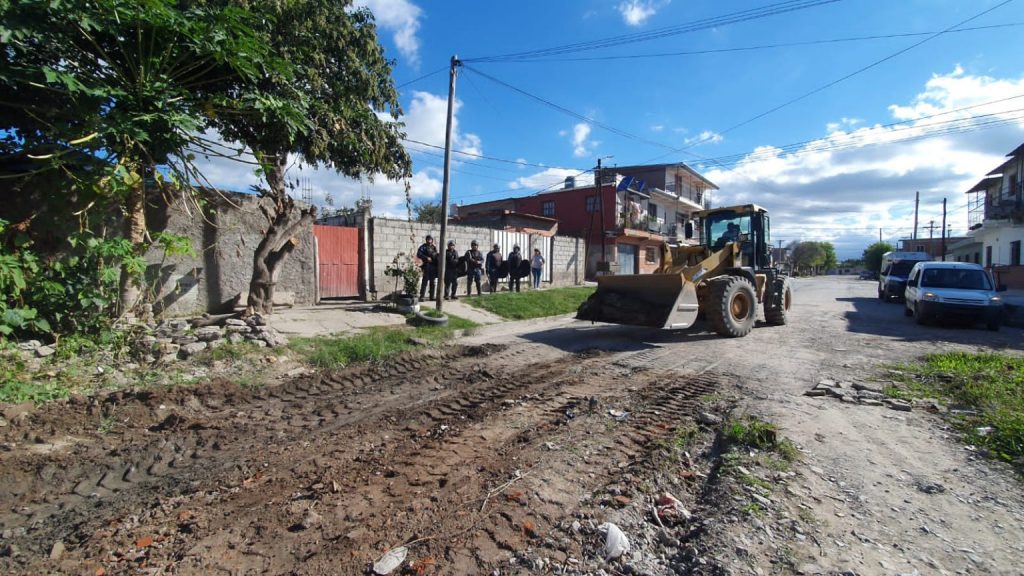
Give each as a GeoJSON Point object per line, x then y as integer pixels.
{"type": "Point", "coordinates": [341, 317]}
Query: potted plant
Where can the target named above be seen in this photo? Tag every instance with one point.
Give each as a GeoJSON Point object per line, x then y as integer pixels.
{"type": "Point", "coordinates": [403, 269]}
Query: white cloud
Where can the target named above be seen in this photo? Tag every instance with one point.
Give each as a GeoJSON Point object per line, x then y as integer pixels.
{"type": "Point", "coordinates": [705, 137]}
{"type": "Point", "coordinates": [657, 128]}
{"type": "Point", "coordinates": [402, 19]}
{"type": "Point", "coordinates": [580, 146]}
{"type": "Point", "coordinates": [425, 121]}
{"type": "Point", "coordinates": [551, 179]}
{"type": "Point", "coordinates": [856, 179]}
{"type": "Point", "coordinates": [636, 12]}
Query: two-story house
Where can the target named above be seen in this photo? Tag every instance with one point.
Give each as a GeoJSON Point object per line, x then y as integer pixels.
{"type": "Point", "coordinates": [637, 216]}
{"type": "Point", "coordinates": [995, 212]}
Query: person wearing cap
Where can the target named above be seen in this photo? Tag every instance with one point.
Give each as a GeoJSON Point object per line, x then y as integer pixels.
{"type": "Point", "coordinates": [515, 258]}
{"type": "Point", "coordinates": [427, 254]}
{"type": "Point", "coordinates": [493, 265]}
{"type": "Point", "coordinates": [731, 234]}
{"type": "Point", "coordinates": [451, 271]}
{"type": "Point", "coordinates": [474, 268]}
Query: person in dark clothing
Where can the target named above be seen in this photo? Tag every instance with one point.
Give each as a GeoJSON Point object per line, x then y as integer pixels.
{"type": "Point", "coordinates": [515, 258]}
{"type": "Point", "coordinates": [474, 268]}
{"type": "Point", "coordinates": [427, 253]}
{"type": "Point", "coordinates": [451, 271]}
{"type": "Point", "coordinates": [492, 266]}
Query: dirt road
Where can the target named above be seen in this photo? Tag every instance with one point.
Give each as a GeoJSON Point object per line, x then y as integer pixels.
{"type": "Point", "coordinates": [503, 454]}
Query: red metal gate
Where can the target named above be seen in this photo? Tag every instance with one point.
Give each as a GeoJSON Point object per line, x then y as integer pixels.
{"type": "Point", "coordinates": [338, 250]}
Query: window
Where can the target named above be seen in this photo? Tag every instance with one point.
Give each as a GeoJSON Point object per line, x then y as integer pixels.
{"type": "Point", "coordinates": [988, 256]}
{"type": "Point", "coordinates": [920, 247]}
{"type": "Point", "coordinates": [650, 255]}
{"type": "Point", "coordinates": [1015, 253]}
{"type": "Point", "coordinates": [977, 257]}
{"type": "Point", "coordinates": [593, 204]}
{"type": "Point", "coordinates": [548, 208]}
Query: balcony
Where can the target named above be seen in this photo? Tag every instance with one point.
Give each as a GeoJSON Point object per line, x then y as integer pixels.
{"type": "Point", "coordinates": [651, 226]}
{"type": "Point", "coordinates": [1005, 209]}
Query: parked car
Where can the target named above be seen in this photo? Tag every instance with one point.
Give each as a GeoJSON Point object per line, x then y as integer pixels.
{"type": "Point", "coordinates": [892, 279]}
{"type": "Point", "coordinates": [952, 290]}
{"type": "Point", "coordinates": [868, 275]}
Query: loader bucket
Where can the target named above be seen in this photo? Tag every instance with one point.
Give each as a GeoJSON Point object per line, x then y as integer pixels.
{"type": "Point", "coordinates": [655, 300]}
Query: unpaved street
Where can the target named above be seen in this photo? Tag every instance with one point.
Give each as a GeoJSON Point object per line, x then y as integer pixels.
{"type": "Point", "coordinates": [499, 455]}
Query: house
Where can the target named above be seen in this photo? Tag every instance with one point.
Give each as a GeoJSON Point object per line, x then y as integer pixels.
{"type": "Point", "coordinates": [995, 213]}
{"type": "Point", "coordinates": [933, 246]}
{"type": "Point", "coordinates": [639, 213]}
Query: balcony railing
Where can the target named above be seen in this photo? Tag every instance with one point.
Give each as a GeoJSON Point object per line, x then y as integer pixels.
{"type": "Point", "coordinates": [652, 226]}
{"type": "Point", "coordinates": [1005, 209]}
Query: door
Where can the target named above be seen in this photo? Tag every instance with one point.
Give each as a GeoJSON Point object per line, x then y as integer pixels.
{"type": "Point", "coordinates": [627, 258]}
{"type": "Point", "coordinates": [338, 255]}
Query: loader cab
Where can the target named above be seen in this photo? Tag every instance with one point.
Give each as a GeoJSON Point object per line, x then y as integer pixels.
{"type": "Point", "coordinates": [748, 225]}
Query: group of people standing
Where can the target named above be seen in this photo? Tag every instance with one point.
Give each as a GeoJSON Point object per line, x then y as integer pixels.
{"type": "Point", "coordinates": [474, 264]}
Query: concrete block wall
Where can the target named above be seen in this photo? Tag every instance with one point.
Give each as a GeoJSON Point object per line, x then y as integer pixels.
{"type": "Point", "coordinates": [388, 238]}
{"type": "Point", "coordinates": [224, 236]}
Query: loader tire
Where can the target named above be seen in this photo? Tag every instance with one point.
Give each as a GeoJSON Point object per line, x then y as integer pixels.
{"type": "Point", "coordinates": [779, 315]}
{"type": "Point", "coordinates": [732, 306]}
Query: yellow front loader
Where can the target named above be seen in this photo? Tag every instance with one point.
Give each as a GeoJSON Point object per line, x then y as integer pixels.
{"type": "Point", "coordinates": [725, 279]}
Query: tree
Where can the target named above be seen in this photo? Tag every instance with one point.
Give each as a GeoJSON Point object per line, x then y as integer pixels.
{"type": "Point", "coordinates": [873, 255]}
{"type": "Point", "coordinates": [113, 93]}
{"type": "Point", "coordinates": [806, 255]}
{"type": "Point", "coordinates": [341, 82]}
{"type": "Point", "coordinates": [828, 261]}
{"type": "Point", "coordinates": [428, 212]}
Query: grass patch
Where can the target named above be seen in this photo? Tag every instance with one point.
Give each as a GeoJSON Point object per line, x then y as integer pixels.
{"type": "Point", "coordinates": [534, 303]}
{"type": "Point", "coordinates": [751, 432]}
{"type": "Point", "coordinates": [374, 345]}
{"type": "Point", "coordinates": [990, 386]}
{"type": "Point", "coordinates": [15, 389]}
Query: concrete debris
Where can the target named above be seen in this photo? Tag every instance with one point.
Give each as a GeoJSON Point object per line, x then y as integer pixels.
{"type": "Point", "coordinates": [44, 351]}
{"type": "Point", "coordinates": [709, 419]}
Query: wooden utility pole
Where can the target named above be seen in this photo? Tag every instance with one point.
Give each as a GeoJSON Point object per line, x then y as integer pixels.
{"type": "Point", "coordinates": [917, 204]}
{"type": "Point", "coordinates": [452, 73]}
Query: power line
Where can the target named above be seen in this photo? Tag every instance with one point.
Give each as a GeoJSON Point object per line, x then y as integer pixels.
{"type": "Point", "coordinates": [854, 73]}
{"type": "Point", "coordinates": [703, 24]}
{"type": "Point", "coordinates": [474, 155]}
{"type": "Point", "coordinates": [424, 77]}
{"type": "Point", "coordinates": [764, 46]}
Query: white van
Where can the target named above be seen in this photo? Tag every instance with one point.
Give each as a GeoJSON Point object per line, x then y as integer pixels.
{"type": "Point", "coordinates": [892, 279]}
{"type": "Point", "coordinates": [941, 290]}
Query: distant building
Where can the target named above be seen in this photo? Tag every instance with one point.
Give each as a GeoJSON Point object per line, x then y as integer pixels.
{"type": "Point", "coordinates": [643, 207]}
{"type": "Point", "coordinates": [933, 246]}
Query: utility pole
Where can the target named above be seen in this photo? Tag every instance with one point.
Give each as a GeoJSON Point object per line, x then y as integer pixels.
{"type": "Point", "coordinates": [943, 229]}
{"type": "Point", "coordinates": [599, 186]}
{"type": "Point", "coordinates": [452, 73]}
{"type": "Point", "coordinates": [917, 204]}
{"type": "Point", "coordinates": [879, 235]}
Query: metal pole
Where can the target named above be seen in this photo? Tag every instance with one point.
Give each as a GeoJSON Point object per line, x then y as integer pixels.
{"type": "Point", "coordinates": [452, 73]}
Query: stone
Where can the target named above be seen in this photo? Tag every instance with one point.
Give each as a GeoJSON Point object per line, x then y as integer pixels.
{"type": "Point", "coordinates": [184, 339]}
{"type": "Point", "coordinates": [816, 392]}
{"type": "Point", "coordinates": [898, 405]}
{"type": "Point", "coordinates": [57, 551]}
{"type": "Point", "coordinates": [44, 351]}
{"type": "Point", "coordinates": [860, 386]}
{"type": "Point", "coordinates": [235, 322]}
{"type": "Point", "coordinates": [161, 348]}
{"type": "Point", "coordinates": [29, 345]}
{"type": "Point", "coordinates": [192, 349]}
{"type": "Point", "coordinates": [870, 402]}
{"type": "Point", "coordinates": [870, 394]}
{"type": "Point", "coordinates": [255, 320]}
{"type": "Point", "coordinates": [207, 333]}
{"type": "Point", "coordinates": [236, 329]}
{"type": "Point", "coordinates": [235, 338]}
{"type": "Point", "coordinates": [709, 419]}
{"type": "Point", "coordinates": [216, 343]}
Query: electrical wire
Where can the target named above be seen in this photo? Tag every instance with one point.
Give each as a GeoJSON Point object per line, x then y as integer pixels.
{"type": "Point", "coordinates": [424, 77]}
{"type": "Point", "coordinates": [703, 24]}
{"type": "Point", "coordinates": [764, 46]}
{"type": "Point", "coordinates": [474, 155]}
{"type": "Point", "coordinates": [852, 74]}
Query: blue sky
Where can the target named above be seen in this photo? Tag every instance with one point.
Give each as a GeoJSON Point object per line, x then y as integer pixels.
{"type": "Point", "coordinates": [697, 97]}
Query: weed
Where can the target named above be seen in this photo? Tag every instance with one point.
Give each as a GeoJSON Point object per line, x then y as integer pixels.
{"type": "Point", "coordinates": [754, 509]}
{"type": "Point", "coordinates": [989, 384]}
{"type": "Point", "coordinates": [807, 515]}
{"type": "Point", "coordinates": [751, 480]}
{"type": "Point", "coordinates": [685, 435]}
{"type": "Point", "coordinates": [229, 351]}
{"type": "Point", "coordinates": [533, 304]}
{"type": "Point", "coordinates": [754, 433]}
{"type": "Point", "coordinates": [107, 424]}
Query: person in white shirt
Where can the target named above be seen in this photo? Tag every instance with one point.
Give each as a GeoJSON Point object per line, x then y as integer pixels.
{"type": "Point", "coordinates": [536, 266]}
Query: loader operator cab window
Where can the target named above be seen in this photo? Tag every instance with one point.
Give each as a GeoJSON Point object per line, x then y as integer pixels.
{"type": "Point", "coordinates": [724, 228]}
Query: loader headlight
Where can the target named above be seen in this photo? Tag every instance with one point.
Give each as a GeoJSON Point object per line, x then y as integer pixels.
{"type": "Point", "coordinates": [995, 300]}
{"type": "Point", "coordinates": [931, 297]}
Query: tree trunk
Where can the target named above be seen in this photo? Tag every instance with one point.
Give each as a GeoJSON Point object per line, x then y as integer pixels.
{"type": "Point", "coordinates": [284, 221]}
{"type": "Point", "coordinates": [135, 232]}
